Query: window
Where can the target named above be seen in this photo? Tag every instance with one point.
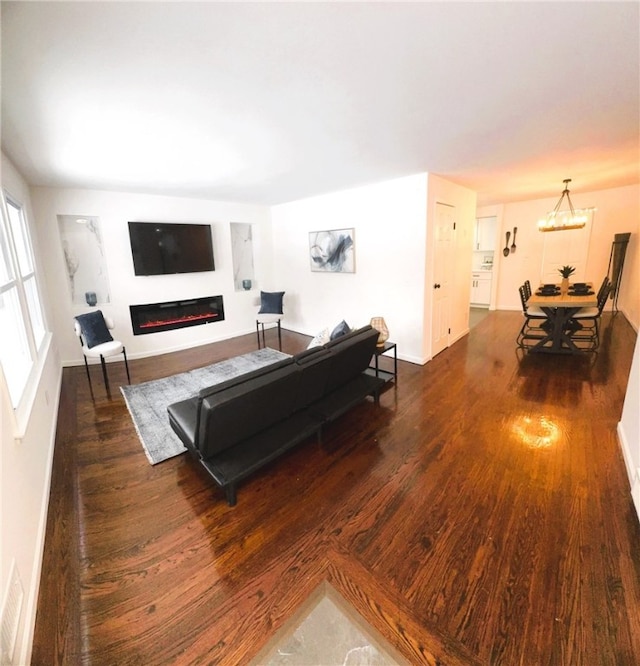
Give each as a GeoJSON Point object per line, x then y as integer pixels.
{"type": "Point", "coordinates": [21, 319]}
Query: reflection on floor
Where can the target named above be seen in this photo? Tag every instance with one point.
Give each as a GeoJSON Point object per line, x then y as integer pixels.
{"type": "Point", "coordinates": [476, 315]}
{"type": "Point", "coordinates": [328, 631]}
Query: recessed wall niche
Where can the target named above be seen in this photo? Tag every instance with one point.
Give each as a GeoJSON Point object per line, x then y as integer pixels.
{"type": "Point", "coordinates": [84, 258]}
{"type": "Point", "coordinates": [242, 256]}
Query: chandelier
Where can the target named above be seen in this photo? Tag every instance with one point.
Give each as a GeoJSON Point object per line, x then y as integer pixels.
{"type": "Point", "coordinates": [558, 220]}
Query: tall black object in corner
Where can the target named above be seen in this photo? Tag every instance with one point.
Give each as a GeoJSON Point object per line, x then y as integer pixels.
{"type": "Point", "coordinates": [616, 264]}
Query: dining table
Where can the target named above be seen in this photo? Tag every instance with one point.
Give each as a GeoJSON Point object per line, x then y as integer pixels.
{"type": "Point", "coordinates": [560, 307]}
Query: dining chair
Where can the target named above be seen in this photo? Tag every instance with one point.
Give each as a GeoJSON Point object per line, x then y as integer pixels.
{"type": "Point", "coordinates": [94, 332]}
{"type": "Point", "coordinates": [589, 318]}
{"type": "Point", "coordinates": [534, 319]}
{"type": "Point", "coordinates": [606, 282]}
{"type": "Point", "coordinates": [271, 312]}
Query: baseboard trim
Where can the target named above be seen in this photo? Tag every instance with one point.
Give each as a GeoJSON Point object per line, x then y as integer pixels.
{"type": "Point", "coordinates": [31, 598]}
{"type": "Point", "coordinates": [632, 472]}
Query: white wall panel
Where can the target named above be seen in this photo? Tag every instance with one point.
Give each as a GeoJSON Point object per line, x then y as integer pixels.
{"type": "Point", "coordinates": [25, 464]}
{"type": "Point", "coordinates": [617, 211]}
{"type": "Point", "coordinates": [390, 230]}
{"type": "Point", "coordinates": [115, 210]}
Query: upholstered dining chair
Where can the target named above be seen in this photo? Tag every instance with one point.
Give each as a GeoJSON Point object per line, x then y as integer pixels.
{"type": "Point", "coordinates": [94, 332]}
{"type": "Point", "coordinates": [605, 283]}
{"type": "Point", "coordinates": [270, 312]}
{"type": "Point", "coordinates": [534, 317]}
{"type": "Point", "coordinates": [589, 318]}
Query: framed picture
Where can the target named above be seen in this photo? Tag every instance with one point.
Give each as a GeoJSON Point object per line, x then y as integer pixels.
{"type": "Point", "coordinates": [332, 251]}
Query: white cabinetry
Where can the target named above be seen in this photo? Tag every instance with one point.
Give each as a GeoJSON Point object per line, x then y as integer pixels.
{"type": "Point", "coordinates": [481, 288]}
{"type": "Point", "coordinates": [485, 240]}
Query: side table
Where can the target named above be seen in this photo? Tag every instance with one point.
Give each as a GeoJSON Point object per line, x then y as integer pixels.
{"type": "Point", "coordinates": [383, 349]}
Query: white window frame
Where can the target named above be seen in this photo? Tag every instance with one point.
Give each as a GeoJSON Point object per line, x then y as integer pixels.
{"type": "Point", "coordinates": [27, 342]}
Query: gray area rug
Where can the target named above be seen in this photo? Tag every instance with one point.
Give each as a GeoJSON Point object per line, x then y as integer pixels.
{"type": "Point", "coordinates": [148, 402]}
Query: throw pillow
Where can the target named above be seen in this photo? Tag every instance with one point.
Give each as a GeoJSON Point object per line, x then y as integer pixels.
{"type": "Point", "coordinates": [94, 329]}
{"type": "Point", "coordinates": [341, 329]}
{"type": "Point", "coordinates": [271, 302]}
{"type": "Point", "coordinates": [320, 339]}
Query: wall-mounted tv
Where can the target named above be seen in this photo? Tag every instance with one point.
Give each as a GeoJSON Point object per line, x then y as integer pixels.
{"type": "Point", "coordinates": [161, 248]}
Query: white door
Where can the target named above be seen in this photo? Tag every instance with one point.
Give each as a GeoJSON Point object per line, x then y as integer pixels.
{"type": "Point", "coordinates": [442, 264]}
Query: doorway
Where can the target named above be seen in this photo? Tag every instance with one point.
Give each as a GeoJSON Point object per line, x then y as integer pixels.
{"type": "Point", "coordinates": [476, 315]}
{"type": "Point", "coordinates": [484, 247]}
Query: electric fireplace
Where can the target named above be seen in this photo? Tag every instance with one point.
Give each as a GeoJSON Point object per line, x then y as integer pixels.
{"type": "Point", "coordinates": [155, 317]}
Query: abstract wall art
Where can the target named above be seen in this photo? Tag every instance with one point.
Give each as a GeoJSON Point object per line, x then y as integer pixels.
{"type": "Point", "coordinates": [332, 251]}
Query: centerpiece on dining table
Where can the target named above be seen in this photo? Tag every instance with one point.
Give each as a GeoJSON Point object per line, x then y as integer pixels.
{"type": "Point", "coordinates": [566, 272]}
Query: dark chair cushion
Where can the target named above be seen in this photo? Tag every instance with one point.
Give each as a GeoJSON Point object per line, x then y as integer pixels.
{"type": "Point", "coordinates": [309, 354]}
{"type": "Point", "coordinates": [314, 367]}
{"type": "Point", "coordinates": [351, 355]}
{"type": "Point", "coordinates": [94, 329]}
{"type": "Point", "coordinates": [184, 416]}
{"type": "Point", "coordinates": [271, 302]}
{"type": "Point", "coordinates": [230, 416]}
{"type": "Point", "coordinates": [341, 329]}
{"type": "Point", "coordinates": [356, 333]}
{"type": "Point", "coordinates": [245, 377]}
{"type": "Point", "coordinates": [183, 419]}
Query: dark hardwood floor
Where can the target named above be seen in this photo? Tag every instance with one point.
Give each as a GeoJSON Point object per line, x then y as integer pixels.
{"type": "Point", "coordinates": [480, 515]}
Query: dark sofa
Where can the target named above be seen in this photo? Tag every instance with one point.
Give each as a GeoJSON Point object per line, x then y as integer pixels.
{"type": "Point", "coordinates": [236, 427]}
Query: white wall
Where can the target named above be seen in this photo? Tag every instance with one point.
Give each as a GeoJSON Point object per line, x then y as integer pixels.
{"type": "Point", "coordinates": [629, 428]}
{"type": "Point", "coordinates": [392, 279]}
{"type": "Point", "coordinates": [394, 259]}
{"type": "Point", "coordinates": [25, 464]}
{"type": "Point", "coordinates": [390, 237]}
{"type": "Point", "coordinates": [114, 211]}
{"type": "Point", "coordinates": [618, 211]}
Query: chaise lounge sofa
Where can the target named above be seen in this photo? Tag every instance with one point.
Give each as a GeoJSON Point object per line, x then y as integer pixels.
{"type": "Point", "coordinates": [236, 427]}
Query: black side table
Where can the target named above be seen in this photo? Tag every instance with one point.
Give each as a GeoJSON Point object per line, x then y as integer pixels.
{"type": "Point", "coordinates": [383, 349]}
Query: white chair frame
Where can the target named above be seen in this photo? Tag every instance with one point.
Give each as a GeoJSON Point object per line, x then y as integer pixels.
{"type": "Point", "coordinates": [268, 318]}
{"type": "Point", "coordinates": [101, 351]}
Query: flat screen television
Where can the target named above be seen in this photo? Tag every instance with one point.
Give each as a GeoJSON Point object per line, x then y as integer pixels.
{"type": "Point", "coordinates": [161, 248]}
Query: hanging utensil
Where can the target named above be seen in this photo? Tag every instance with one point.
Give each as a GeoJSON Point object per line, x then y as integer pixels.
{"type": "Point", "coordinates": [513, 245]}
{"type": "Point", "coordinates": [506, 247]}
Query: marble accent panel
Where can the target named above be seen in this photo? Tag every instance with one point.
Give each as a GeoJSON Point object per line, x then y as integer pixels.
{"type": "Point", "coordinates": [242, 255]}
{"type": "Point", "coordinates": [85, 260]}
{"type": "Point", "coordinates": [328, 631]}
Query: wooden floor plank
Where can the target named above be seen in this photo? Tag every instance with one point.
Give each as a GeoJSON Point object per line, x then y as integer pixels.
{"type": "Point", "coordinates": [480, 514]}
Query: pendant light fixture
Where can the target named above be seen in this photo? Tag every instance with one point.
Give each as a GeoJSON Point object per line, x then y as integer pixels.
{"type": "Point", "coordinates": [557, 219]}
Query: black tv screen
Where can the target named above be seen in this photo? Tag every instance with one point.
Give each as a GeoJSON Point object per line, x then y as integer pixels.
{"type": "Point", "coordinates": [161, 248]}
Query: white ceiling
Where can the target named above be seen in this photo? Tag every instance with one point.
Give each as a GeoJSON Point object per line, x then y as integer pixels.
{"type": "Point", "coordinates": [272, 102]}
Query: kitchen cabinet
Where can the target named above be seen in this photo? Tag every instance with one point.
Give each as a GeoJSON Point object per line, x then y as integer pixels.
{"type": "Point", "coordinates": [481, 288]}
{"type": "Point", "coordinates": [485, 240]}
